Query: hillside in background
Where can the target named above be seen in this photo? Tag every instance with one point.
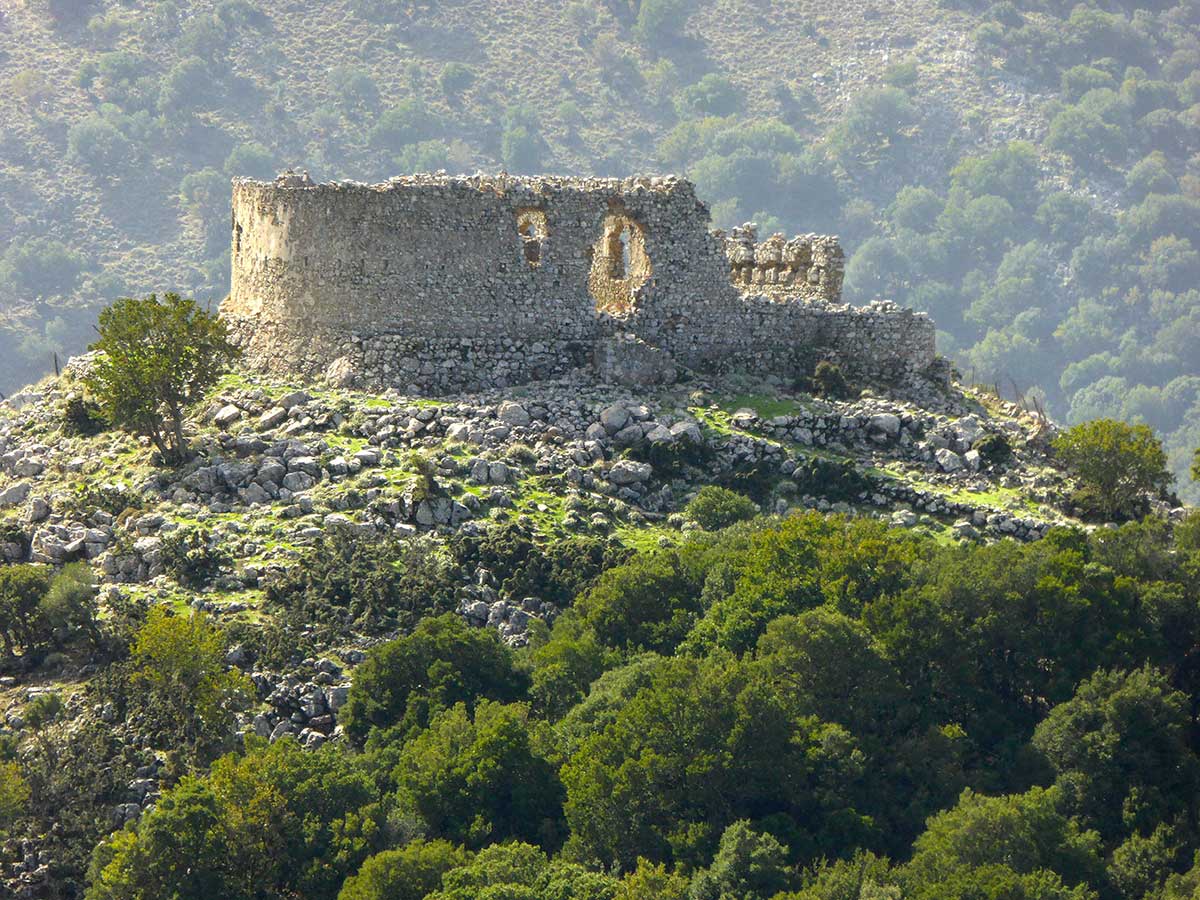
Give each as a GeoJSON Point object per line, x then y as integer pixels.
{"type": "Point", "coordinates": [1023, 171]}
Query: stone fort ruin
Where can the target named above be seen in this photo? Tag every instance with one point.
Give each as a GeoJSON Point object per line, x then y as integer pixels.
{"type": "Point", "coordinates": [449, 283]}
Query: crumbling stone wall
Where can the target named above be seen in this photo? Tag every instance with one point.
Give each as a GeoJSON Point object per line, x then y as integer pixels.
{"type": "Point", "coordinates": [449, 283]}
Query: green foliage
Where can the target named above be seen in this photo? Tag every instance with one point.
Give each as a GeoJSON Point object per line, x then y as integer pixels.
{"type": "Point", "coordinates": [186, 89]}
{"type": "Point", "coordinates": [158, 358]}
{"type": "Point", "coordinates": [455, 78]}
{"type": "Point", "coordinates": [476, 779]}
{"type": "Point", "coordinates": [21, 590]}
{"type": "Point", "coordinates": [716, 507]}
{"type": "Point", "coordinates": [994, 448]}
{"type": "Point", "coordinates": [357, 92]}
{"type": "Point", "coordinates": [1013, 846]}
{"type": "Point", "coordinates": [405, 682]}
{"type": "Point", "coordinates": [1117, 465]}
{"type": "Point", "coordinates": [98, 144]}
{"type": "Point", "coordinates": [366, 579]}
{"type": "Point", "coordinates": [41, 266]}
{"type": "Point", "coordinates": [648, 603]}
{"type": "Point", "coordinates": [406, 123]}
{"type": "Point", "coordinates": [876, 122]}
{"type": "Point", "coordinates": [14, 794]}
{"type": "Point", "coordinates": [565, 666]}
{"type": "Point", "coordinates": [748, 865]}
{"type": "Point", "coordinates": [179, 683]}
{"type": "Point", "coordinates": [1120, 750]}
{"type": "Point", "coordinates": [279, 821]}
{"type": "Point", "coordinates": [521, 147]}
{"type": "Point", "coordinates": [828, 381]}
{"type": "Point", "coordinates": [405, 873]}
{"type": "Point", "coordinates": [250, 160]}
{"type": "Point", "coordinates": [705, 744]}
{"type": "Point", "coordinates": [832, 479]}
{"type": "Point", "coordinates": [661, 22]}
{"type": "Point", "coordinates": [193, 557]}
{"type": "Point", "coordinates": [712, 95]}
{"type": "Point", "coordinates": [525, 565]}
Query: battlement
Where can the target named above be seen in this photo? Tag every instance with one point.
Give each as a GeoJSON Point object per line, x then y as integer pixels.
{"type": "Point", "coordinates": [449, 282]}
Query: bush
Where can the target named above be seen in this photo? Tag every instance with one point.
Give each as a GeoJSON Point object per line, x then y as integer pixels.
{"type": "Point", "coordinates": [523, 565]}
{"type": "Point", "coordinates": [186, 89]}
{"type": "Point", "coordinates": [354, 88]}
{"type": "Point", "coordinates": [455, 78]}
{"type": "Point", "coordinates": [475, 778]}
{"type": "Point", "coordinates": [365, 579]}
{"type": "Point", "coordinates": [1117, 465]}
{"type": "Point", "coordinates": [994, 449]}
{"type": "Point", "coordinates": [716, 507]}
{"type": "Point", "coordinates": [521, 149]}
{"type": "Point", "coordinates": [81, 416]}
{"type": "Point", "coordinates": [181, 686]}
{"type": "Point", "coordinates": [405, 682]}
{"type": "Point", "coordinates": [407, 123]}
{"type": "Point", "coordinates": [405, 873]}
{"type": "Point", "coordinates": [41, 266]}
{"type": "Point", "coordinates": [251, 160]}
{"type": "Point", "coordinates": [193, 558]}
{"type": "Point", "coordinates": [712, 95]}
{"type": "Point", "coordinates": [832, 479]}
{"type": "Point", "coordinates": [661, 21]}
{"type": "Point", "coordinates": [648, 603]}
{"type": "Point", "coordinates": [828, 381]}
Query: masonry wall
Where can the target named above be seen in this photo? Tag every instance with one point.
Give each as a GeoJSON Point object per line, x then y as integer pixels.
{"type": "Point", "coordinates": [449, 283]}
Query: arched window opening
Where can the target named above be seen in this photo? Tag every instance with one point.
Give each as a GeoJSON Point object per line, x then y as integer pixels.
{"type": "Point", "coordinates": [620, 265]}
{"type": "Point", "coordinates": [531, 227]}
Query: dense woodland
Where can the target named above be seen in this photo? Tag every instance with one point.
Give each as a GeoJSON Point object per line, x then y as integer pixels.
{"type": "Point", "coordinates": [812, 707]}
{"type": "Point", "coordinates": [1024, 171]}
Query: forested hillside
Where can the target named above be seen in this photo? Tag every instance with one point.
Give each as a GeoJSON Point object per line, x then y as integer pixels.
{"type": "Point", "coordinates": [1024, 171]}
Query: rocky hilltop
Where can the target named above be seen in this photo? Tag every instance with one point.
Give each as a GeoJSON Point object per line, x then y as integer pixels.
{"type": "Point", "coordinates": [281, 468]}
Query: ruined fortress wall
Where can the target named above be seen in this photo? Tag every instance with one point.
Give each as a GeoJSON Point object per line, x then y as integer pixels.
{"type": "Point", "coordinates": [451, 283]}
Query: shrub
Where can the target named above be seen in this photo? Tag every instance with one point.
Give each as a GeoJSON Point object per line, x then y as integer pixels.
{"type": "Point", "coordinates": [902, 74]}
{"type": "Point", "coordinates": [648, 603]}
{"type": "Point", "coordinates": [354, 88]}
{"type": "Point", "coordinates": [81, 416]}
{"type": "Point", "coordinates": [88, 496]}
{"type": "Point", "coordinates": [712, 95]}
{"type": "Point", "coordinates": [994, 449]}
{"type": "Point", "coordinates": [716, 507]}
{"type": "Point", "coordinates": [521, 148]}
{"type": "Point", "coordinates": [251, 160]}
{"type": "Point", "coordinates": [405, 873]}
{"type": "Point", "coordinates": [455, 78]}
{"type": "Point", "coordinates": [1117, 466]}
{"type": "Point", "coordinates": [366, 579]}
{"type": "Point", "coordinates": [832, 479]}
{"type": "Point", "coordinates": [475, 778]}
{"type": "Point", "coordinates": [407, 123]}
{"type": "Point", "coordinates": [525, 565]}
{"type": "Point", "coordinates": [405, 682]}
{"type": "Point", "coordinates": [661, 21]}
{"type": "Point", "coordinates": [187, 88]}
{"type": "Point", "coordinates": [828, 381]}
{"type": "Point", "coordinates": [180, 684]}
{"type": "Point", "coordinates": [192, 557]}
{"type": "Point", "coordinates": [41, 266]}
